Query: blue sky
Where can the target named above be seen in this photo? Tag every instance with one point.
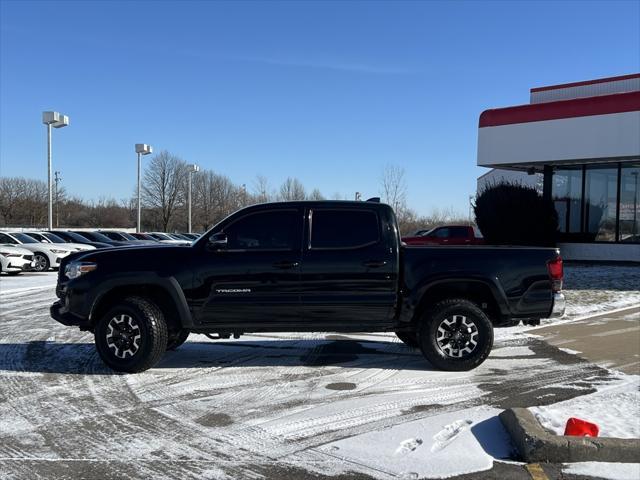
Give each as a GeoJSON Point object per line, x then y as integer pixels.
{"type": "Point", "coordinates": [329, 92]}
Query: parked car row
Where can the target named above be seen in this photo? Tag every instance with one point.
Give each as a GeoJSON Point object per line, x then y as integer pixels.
{"type": "Point", "coordinates": [43, 250]}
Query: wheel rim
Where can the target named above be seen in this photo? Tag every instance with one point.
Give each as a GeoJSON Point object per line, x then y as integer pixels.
{"type": "Point", "coordinates": [457, 336]}
{"type": "Point", "coordinates": [41, 262]}
{"type": "Point", "coordinates": [123, 336]}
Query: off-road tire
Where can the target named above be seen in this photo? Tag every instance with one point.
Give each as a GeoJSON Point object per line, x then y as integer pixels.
{"type": "Point", "coordinates": [177, 338]}
{"type": "Point", "coordinates": [152, 328]}
{"type": "Point", "coordinates": [433, 318]}
{"type": "Point", "coordinates": [410, 339]}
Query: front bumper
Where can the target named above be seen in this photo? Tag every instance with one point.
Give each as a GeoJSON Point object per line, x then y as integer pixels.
{"type": "Point", "coordinates": [60, 312]}
{"type": "Point", "coordinates": [20, 265]}
{"type": "Point", "coordinates": [559, 305]}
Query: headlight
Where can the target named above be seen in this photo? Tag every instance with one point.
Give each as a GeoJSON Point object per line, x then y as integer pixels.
{"type": "Point", "coordinates": [58, 252]}
{"type": "Point", "coordinates": [9, 254]}
{"type": "Point", "coordinates": [76, 269]}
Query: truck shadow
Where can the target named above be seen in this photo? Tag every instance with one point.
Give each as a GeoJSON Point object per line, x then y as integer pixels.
{"type": "Point", "coordinates": [82, 358]}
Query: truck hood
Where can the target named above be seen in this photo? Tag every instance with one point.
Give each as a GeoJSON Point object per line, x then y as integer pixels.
{"type": "Point", "coordinates": [132, 258]}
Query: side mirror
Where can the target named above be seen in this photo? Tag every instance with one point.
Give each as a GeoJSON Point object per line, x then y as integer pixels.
{"type": "Point", "coordinates": [217, 241]}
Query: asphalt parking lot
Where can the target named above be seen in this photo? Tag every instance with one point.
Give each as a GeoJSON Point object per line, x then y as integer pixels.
{"type": "Point", "coordinates": [259, 406]}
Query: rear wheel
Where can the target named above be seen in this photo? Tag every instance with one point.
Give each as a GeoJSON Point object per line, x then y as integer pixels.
{"type": "Point", "coordinates": [41, 262]}
{"type": "Point", "coordinates": [455, 335]}
{"type": "Point", "coordinates": [131, 336]}
{"type": "Point", "coordinates": [410, 339]}
{"type": "Point", "coordinates": [177, 338]}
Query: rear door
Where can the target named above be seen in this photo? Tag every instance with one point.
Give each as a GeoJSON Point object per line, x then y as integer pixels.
{"type": "Point", "coordinates": [347, 278]}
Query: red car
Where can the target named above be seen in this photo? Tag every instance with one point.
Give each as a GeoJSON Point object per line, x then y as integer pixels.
{"type": "Point", "coordinates": [447, 235]}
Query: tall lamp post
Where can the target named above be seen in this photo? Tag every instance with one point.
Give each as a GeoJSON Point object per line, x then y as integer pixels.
{"type": "Point", "coordinates": [55, 120]}
{"type": "Point", "coordinates": [192, 169]}
{"type": "Point", "coordinates": [57, 179]}
{"type": "Point", "coordinates": [141, 149]}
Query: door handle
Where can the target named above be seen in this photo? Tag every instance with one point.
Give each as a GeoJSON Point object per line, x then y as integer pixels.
{"type": "Point", "coordinates": [374, 263]}
{"type": "Point", "coordinates": [284, 265]}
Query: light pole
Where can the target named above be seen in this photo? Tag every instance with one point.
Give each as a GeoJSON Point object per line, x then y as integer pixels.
{"type": "Point", "coordinates": [192, 169]}
{"type": "Point", "coordinates": [55, 120]}
{"type": "Point", "coordinates": [58, 179]}
{"type": "Point", "coordinates": [141, 149]}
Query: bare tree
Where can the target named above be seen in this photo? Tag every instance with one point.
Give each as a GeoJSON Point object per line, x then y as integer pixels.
{"type": "Point", "coordinates": [261, 189]}
{"type": "Point", "coordinates": [163, 186]}
{"type": "Point", "coordinates": [292, 189]}
{"type": "Point", "coordinates": [214, 197]}
{"type": "Point", "coordinates": [316, 195]}
{"type": "Point", "coordinates": [11, 192]}
{"type": "Point", "coordinates": [394, 188]}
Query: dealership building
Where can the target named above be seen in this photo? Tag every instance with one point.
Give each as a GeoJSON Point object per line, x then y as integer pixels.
{"type": "Point", "coordinates": [583, 140]}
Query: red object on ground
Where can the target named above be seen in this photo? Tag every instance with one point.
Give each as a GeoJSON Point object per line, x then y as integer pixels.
{"type": "Point", "coordinates": [581, 428]}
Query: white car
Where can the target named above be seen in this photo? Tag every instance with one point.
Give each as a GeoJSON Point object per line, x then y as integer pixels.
{"type": "Point", "coordinates": [46, 237]}
{"type": "Point", "coordinates": [45, 255]}
{"type": "Point", "coordinates": [14, 260]}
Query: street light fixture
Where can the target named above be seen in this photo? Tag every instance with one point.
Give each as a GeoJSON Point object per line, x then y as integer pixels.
{"type": "Point", "coordinates": [192, 169]}
{"type": "Point", "coordinates": [141, 149]}
{"type": "Point", "coordinates": [55, 120]}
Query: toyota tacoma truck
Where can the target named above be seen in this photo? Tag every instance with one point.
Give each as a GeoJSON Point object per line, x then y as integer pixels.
{"type": "Point", "coordinates": [329, 266]}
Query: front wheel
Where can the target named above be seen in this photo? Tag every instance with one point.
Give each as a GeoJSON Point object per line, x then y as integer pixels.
{"type": "Point", "coordinates": [41, 262]}
{"type": "Point", "coordinates": [455, 335]}
{"type": "Point", "coordinates": [132, 335]}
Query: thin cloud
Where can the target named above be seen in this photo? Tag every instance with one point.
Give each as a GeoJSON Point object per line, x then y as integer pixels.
{"type": "Point", "coordinates": [310, 64]}
{"type": "Point", "coordinates": [345, 67]}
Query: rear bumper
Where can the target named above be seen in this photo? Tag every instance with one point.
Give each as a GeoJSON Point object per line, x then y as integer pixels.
{"type": "Point", "coordinates": [559, 305]}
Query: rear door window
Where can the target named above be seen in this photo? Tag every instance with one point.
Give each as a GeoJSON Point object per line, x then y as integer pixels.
{"type": "Point", "coordinates": [338, 229]}
{"type": "Point", "coordinates": [458, 232]}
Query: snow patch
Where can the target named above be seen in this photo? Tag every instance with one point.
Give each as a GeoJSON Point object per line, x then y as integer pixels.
{"type": "Point", "coordinates": [615, 408]}
{"type": "Point", "coordinates": [440, 446]}
{"type": "Point", "coordinates": [609, 471]}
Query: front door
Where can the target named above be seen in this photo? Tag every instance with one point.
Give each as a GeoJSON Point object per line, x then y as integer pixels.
{"type": "Point", "coordinates": [255, 279]}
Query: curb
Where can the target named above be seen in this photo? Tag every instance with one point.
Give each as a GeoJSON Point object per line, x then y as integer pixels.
{"type": "Point", "coordinates": [535, 444]}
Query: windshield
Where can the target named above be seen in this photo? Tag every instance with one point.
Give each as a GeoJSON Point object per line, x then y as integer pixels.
{"type": "Point", "coordinates": [127, 236]}
{"type": "Point", "coordinates": [161, 236]}
{"type": "Point", "coordinates": [53, 238]}
{"type": "Point", "coordinates": [98, 237]}
{"type": "Point", "coordinates": [21, 237]}
{"type": "Point", "coordinates": [75, 237]}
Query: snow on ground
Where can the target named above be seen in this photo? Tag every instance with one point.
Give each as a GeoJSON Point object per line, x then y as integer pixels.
{"type": "Point", "coordinates": [26, 282]}
{"type": "Point", "coordinates": [277, 405]}
{"type": "Point", "coordinates": [609, 471]}
{"type": "Point", "coordinates": [440, 446]}
{"type": "Point", "coordinates": [615, 408]}
{"type": "Point", "coordinates": [591, 289]}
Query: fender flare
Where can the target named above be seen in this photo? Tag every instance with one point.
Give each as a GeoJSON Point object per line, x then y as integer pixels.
{"type": "Point", "coordinates": [493, 285]}
{"type": "Point", "coordinates": [168, 284]}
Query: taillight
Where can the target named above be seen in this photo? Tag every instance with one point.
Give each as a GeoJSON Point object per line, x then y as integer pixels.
{"type": "Point", "coordinates": [556, 273]}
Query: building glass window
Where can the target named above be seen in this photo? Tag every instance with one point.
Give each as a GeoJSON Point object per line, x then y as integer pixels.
{"type": "Point", "coordinates": [601, 200]}
{"type": "Point", "coordinates": [567, 198]}
{"type": "Point", "coordinates": [629, 203]}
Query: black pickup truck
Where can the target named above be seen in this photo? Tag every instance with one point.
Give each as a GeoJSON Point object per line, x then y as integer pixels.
{"type": "Point", "coordinates": [306, 266]}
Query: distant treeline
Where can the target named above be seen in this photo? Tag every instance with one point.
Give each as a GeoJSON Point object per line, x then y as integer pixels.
{"type": "Point", "coordinates": [23, 202]}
